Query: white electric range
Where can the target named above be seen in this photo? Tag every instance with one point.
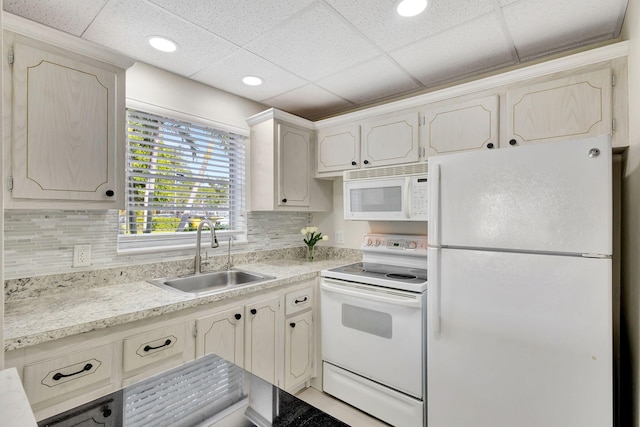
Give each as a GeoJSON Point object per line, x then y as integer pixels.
{"type": "Point", "coordinates": [373, 317]}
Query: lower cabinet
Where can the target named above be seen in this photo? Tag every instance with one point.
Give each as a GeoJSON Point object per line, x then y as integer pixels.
{"type": "Point", "coordinates": [270, 335]}
{"type": "Point", "coordinates": [298, 354]}
{"type": "Point", "coordinates": [222, 334]}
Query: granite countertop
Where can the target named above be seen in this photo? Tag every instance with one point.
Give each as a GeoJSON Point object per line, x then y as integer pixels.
{"type": "Point", "coordinates": [46, 318]}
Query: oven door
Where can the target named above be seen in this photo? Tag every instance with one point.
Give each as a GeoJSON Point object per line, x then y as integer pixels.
{"type": "Point", "coordinates": [375, 332]}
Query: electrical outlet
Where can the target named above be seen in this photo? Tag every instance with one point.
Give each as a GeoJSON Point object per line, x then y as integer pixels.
{"type": "Point", "coordinates": [82, 255]}
{"type": "Point", "coordinates": [339, 238]}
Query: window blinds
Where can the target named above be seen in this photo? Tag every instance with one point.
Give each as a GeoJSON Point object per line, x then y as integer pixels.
{"type": "Point", "coordinates": [185, 396]}
{"type": "Point", "coordinates": [176, 167]}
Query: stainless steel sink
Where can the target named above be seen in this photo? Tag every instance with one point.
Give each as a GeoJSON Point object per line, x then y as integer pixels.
{"type": "Point", "coordinates": [210, 283]}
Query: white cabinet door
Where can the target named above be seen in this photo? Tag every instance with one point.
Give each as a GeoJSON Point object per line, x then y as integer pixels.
{"type": "Point", "coordinates": [391, 140]}
{"type": "Point", "coordinates": [338, 149]}
{"type": "Point", "coordinates": [294, 150]}
{"type": "Point", "coordinates": [298, 347]}
{"type": "Point", "coordinates": [222, 334]}
{"type": "Point", "coordinates": [471, 125]}
{"type": "Point", "coordinates": [64, 128]}
{"type": "Point", "coordinates": [262, 321]}
{"type": "Point", "coordinates": [569, 108]}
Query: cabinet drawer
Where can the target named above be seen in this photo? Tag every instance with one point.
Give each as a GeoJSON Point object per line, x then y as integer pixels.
{"type": "Point", "coordinates": [67, 374]}
{"type": "Point", "coordinates": [153, 346]}
{"type": "Point", "coordinates": [297, 301]}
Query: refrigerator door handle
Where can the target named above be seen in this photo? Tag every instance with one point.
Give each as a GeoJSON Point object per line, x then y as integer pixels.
{"type": "Point", "coordinates": [433, 269]}
{"type": "Point", "coordinates": [434, 205]}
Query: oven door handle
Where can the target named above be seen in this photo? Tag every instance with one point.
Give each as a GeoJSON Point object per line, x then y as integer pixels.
{"type": "Point", "coordinates": [374, 295]}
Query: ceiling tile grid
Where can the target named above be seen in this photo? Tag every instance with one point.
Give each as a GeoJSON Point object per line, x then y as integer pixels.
{"type": "Point", "coordinates": [70, 16]}
{"type": "Point", "coordinates": [227, 74]}
{"type": "Point", "coordinates": [377, 19]}
{"type": "Point", "coordinates": [125, 26]}
{"type": "Point", "coordinates": [541, 27]}
{"type": "Point", "coordinates": [375, 79]}
{"type": "Point", "coordinates": [238, 21]}
{"type": "Point", "coordinates": [319, 57]}
{"type": "Point", "coordinates": [315, 44]}
{"type": "Point", "coordinates": [476, 46]}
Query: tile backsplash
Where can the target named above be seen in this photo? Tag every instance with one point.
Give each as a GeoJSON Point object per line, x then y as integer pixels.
{"type": "Point", "coordinates": [38, 243]}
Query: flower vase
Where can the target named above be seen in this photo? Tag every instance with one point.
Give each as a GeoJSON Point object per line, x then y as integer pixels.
{"type": "Point", "coordinates": [310, 253]}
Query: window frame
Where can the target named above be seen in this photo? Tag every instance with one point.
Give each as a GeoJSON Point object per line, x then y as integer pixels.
{"type": "Point", "coordinates": [154, 242]}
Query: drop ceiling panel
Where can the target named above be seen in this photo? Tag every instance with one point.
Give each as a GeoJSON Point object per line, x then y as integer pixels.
{"type": "Point", "coordinates": [378, 20]}
{"type": "Point", "coordinates": [228, 72]}
{"type": "Point", "coordinates": [375, 79]}
{"type": "Point", "coordinates": [314, 44]}
{"type": "Point", "coordinates": [125, 25]}
{"type": "Point", "coordinates": [238, 21]}
{"type": "Point", "coordinates": [540, 27]}
{"type": "Point", "coordinates": [473, 47]}
{"type": "Point", "coordinates": [71, 16]}
{"type": "Point", "coordinates": [310, 101]}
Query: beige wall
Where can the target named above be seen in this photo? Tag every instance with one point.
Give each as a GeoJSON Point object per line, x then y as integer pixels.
{"type": "Point", "coordinates": [161, 88]}
{"type": "Point", "coordinates": [631, 226]}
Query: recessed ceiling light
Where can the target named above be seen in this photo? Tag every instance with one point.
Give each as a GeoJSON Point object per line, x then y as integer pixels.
{"type": "Point", "coordinates": [252, 80]}
{"type": "Point", "coordinates": [162, 44]}
{"type": "Point", "coordinates": [411, 7]}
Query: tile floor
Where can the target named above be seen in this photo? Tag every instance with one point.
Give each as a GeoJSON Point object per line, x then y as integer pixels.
{"type": "Point", "coordinates": [338, 409]}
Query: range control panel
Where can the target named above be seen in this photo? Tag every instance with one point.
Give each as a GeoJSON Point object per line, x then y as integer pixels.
{"type": "Point", "coordinates": [394, 242]}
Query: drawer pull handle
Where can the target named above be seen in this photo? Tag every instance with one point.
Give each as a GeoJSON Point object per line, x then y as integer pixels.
{"type": "Point", "coordinates": [148, 347]}
{"type": "Point", "coordinates": [60, 375]}
{"type": "Point", "coordinates": [300, 301]}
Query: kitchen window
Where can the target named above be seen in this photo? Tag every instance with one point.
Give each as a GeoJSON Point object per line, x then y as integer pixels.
{"type": "Point", "coordinates": [178, 172]}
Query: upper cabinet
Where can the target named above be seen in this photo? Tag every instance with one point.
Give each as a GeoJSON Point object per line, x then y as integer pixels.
{"type": "Point", "coordinates": [578, 106]}
{"type": "Point", "coordinates": [338, 149]}
{"type": "Point", "coordinates": [280, 165]}
{"type": "Point", "coordinates": [465, 126]}
{"type": "Point", "coordinates": [68, 130]}
{"type": "Point", "coordinates": [391, 140]}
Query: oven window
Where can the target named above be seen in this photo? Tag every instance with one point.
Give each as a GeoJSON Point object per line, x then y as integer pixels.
{"type": "Point", "coordinates": [378, 199]}
{"type": "Point", "coordinates": [365, 320]}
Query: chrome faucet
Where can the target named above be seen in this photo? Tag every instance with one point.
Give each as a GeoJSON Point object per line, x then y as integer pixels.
{"type": "Point", "coordinates": [214, 243]}
{"type": "Point", "coordinates": [229, 255]}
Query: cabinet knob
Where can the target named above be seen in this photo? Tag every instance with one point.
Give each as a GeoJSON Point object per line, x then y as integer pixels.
{"type": "Point", "coordinates": [284, 200]}
{"type": "Point", "coordinates": [512, 142]}
{"type": "Point", "coordinates": [293, 325]}
{"type": "Point", "coordinates": [238, 316]}
{"type": "Point", "coordinates": [490, 145]}
{"type": "Point", "coordinates": [353, 163]}
{"type": "Point", "coordinates": [254, 311]}
{"type": "Point", "coordinates": [110, 193]}
{"type": "Point", "coordinates": [106, 412]}
{"type": "Point", "coordinates": [366, 162]}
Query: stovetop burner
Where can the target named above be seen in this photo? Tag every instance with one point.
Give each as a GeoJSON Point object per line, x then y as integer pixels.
{"type": "Point", "coordinates": [395, 276]}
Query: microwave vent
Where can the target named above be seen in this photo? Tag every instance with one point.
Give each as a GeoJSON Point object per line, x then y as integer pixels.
{"type": "Point", "coordinates": [389, 171]}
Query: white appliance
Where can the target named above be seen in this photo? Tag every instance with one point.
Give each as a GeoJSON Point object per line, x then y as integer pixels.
{"type": "Point", "coordinates": [373, 317]}
{"type": "Point", "coordinates": [520, 299]}
{"type": "Point", "coordinates": [397, 193]}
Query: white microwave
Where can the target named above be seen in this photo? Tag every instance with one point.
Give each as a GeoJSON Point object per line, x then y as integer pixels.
{"type": "Point", "coordinates": [387, 194]}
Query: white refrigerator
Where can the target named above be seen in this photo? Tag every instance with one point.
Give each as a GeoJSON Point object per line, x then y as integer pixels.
{"type": "Point", "coordinates": [519, 297]}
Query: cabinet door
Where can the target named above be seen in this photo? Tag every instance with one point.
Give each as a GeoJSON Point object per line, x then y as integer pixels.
{"type": "Point", "coordinates": [64, 128]}
{"type": "Point", "coordinates": [298, 344]}
{"type": "Point", "coordinates": [472, 125]}
{"type": "Point", "coordinates": [569, 108]}
{"type": "Point", "coordinates": [294, 145]}
{"type": "Point", "coordinates": [260, 338]}
{"type": "Point", "coordinates": [391, 141]}
{"type": "Point", "coordinates": [338, 149]}
{"type": "Point", "coordinates": [222, 334]}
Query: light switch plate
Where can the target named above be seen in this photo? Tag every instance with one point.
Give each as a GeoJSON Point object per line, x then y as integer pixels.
{"type": "Point", "coordinates": [82, 255]}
